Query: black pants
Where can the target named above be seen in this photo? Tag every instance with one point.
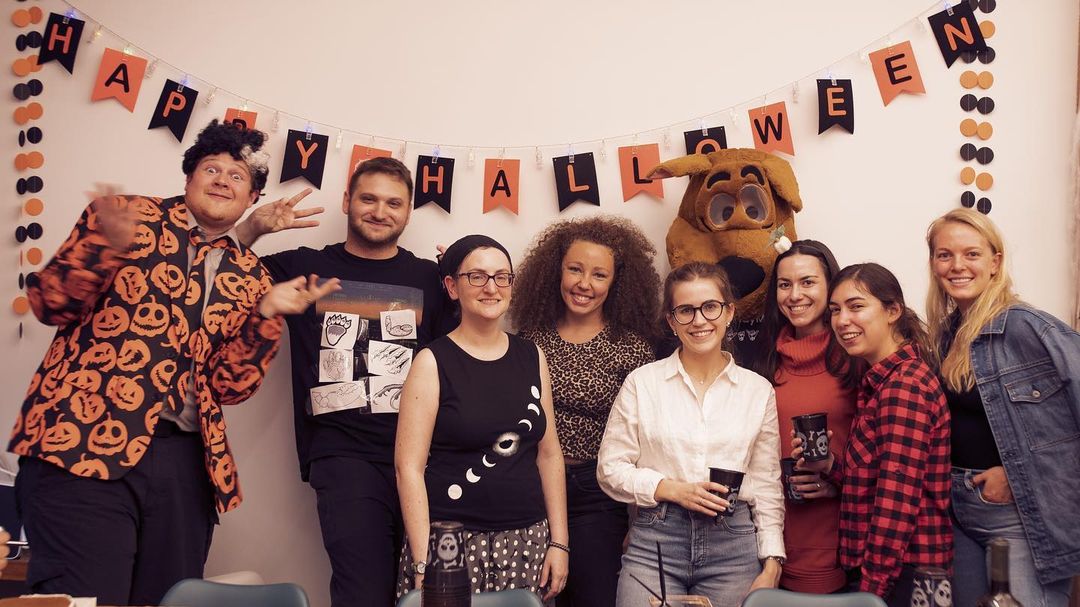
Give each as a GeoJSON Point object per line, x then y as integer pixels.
{"type": "Point", "coordinates": [901, 591]}
{"type": "Point", "coordinates": [598, 525]}
{"type": "Point", "coordinates": [125, 541]}
{"type": "Point", "coordinates": [362, 529]}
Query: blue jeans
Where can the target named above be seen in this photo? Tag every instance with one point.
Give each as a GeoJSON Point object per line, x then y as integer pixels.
{"type": "Point", "coordinates": [976, 522]}
{"type": "Point", "coordinates": [718, 561]}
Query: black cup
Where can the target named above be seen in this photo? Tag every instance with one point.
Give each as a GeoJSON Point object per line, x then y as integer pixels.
{"type": "Point", "coordinates": [813, 429]}
{"type": "Point", "coordinates": [731, 479]}
{"type": "Point", "coordinates": [446, 581]}
{"type": "Point", "coordinates": [931, 586]}
{"type": "Point", "coordinates": [787, 469]}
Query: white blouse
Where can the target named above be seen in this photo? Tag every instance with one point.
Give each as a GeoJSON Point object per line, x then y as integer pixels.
{"type": "Point", "coordinates": [657, 430]}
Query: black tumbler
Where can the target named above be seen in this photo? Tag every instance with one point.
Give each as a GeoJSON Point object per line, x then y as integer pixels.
{"type": "Point", "coordinates": [931, 586]}
{"type": "Point", "coordinates": [813, 429]}
{"type": "Point", "coordinates": [787, 469]}
{"type": "Point", "coordinates": [446, 580]}
{"type": "Point", "coordinates": [731, 479]}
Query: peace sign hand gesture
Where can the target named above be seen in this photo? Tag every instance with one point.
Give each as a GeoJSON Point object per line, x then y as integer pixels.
{"type": "Point", "coordinates": [277, 216]}
{"type": "Point", "coordinates": [294, 296]}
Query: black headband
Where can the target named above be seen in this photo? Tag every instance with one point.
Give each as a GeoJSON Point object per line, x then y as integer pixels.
{"type": "Point", "coordinates": [456, 253]}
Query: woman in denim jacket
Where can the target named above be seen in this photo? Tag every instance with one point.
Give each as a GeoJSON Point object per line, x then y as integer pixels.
{"type": "Point", "coordinates": [1012, 380]}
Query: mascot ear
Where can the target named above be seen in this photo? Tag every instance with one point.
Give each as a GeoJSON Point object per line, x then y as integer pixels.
{"type": "Point", "coordinates": [783, 181]}
{"type": "Point", "coordinates": [679, 167]}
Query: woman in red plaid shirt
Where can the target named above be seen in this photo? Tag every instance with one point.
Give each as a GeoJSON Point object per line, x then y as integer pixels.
{"type": "Point", "coordinates": [894, 472]}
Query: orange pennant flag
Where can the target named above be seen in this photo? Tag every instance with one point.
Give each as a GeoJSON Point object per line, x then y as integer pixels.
{"type": "Point", "coordinates": [239, 117]}
{"type": "Point", "coordinates": [501, 177]}
{"type": "Point", "coordinates": [771, 128]}
{"type": "Point", "coordinates": [896, 71]}
{"type": "Point", "coordinates": [636, 161]}
{"type": "Point", "coordinates": [120, 76]}
{"type": "Point", "coordinates": [360, 153]}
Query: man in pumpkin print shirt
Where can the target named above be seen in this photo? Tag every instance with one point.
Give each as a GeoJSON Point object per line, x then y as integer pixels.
{"type": "Point", "coordinates": [347, 455]}
{"type": "Point", "coordinates": [162, 318]}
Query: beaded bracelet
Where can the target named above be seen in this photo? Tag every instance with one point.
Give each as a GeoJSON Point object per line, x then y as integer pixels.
{"type": "Point", "coordinates": [562, 547]}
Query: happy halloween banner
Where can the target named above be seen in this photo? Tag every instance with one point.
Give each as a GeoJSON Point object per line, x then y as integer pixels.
{"type": "Point", "coordinates": [121, 75]}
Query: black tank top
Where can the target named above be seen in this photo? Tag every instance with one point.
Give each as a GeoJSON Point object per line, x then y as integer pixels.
{"type": "Point", "coordinates": [482, 467]}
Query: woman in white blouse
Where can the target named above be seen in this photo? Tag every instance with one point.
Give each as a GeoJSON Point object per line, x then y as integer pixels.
{"type": "Point", "coordinates": [673, 420]}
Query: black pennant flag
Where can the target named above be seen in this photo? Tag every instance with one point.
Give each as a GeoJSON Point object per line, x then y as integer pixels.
{"type": "Point", "coordinates": [61, 41]}
{"type": "Point", "coordinates": [434, 181]}
{"type": "Point", "coordinates": [703, 141]}
{"type": "Point", "coordinates": [576, 180]}
{"type": "Point", "coordinates": [836, 105]}
{"type": "Point", "coordinates": [174, 108]}
{"type": "Point", "coordinates": [305, 156]}
{"type": "Point", "coordinates": [957, 32]}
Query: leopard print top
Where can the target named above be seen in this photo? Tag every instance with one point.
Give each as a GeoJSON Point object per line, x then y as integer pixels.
{"type": "Point", "coordinates": [585, 379]}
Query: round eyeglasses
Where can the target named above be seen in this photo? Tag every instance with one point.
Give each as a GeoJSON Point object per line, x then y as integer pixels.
{"type": "Point", "coordinates": [710, 310]}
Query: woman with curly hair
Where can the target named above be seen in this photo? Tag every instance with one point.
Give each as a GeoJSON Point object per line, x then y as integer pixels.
{"type": "Point", "coordinates": [588, 298]}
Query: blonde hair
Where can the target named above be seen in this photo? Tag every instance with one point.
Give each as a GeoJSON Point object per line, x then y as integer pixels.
{"type": "Point", "coordinates": [996, 298]}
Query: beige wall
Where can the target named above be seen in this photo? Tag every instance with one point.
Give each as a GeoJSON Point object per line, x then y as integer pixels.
{"type": "Point", "coordinates": [490, 73]}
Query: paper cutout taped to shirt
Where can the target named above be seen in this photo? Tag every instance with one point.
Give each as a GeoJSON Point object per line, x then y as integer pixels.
{"type": "Point", "coordinates": [398, 324]}
{"type": "Point", "coordinates": [339, 330]}
{"type": "Point", "coordinates": [335, 365]}
{"type": "Point", "coordinates": [388, 359]}
{"type": "Point", "coordinates": [338, 397]}
{"type": "Point", "coordinates": [385, 393]}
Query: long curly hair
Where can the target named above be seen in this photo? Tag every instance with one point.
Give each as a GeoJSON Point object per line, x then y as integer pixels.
{"type": "Point", "coordinates": [632, 303]}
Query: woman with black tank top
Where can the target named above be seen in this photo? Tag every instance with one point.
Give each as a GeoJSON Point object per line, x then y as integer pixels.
{"type": "Point", "coordinates": [1010, 374]}
{"type": "Point", "coordinates": [475, 443]}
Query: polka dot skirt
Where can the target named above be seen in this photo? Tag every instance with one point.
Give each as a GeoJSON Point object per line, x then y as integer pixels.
{"type": "Point", "coordinates": [497, 560]}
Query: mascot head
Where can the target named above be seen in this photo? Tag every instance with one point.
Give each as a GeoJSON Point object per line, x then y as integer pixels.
{"type": "Point", "coordinates": [732, 214]}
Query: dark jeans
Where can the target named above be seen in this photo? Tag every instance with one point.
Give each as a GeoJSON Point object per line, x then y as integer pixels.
{"type": "Point", "coordinates": [598, 525]}
{"type": "Point", "coordinates": [362, 529]}
{"type": "Point", "coordinates": [125, 541]}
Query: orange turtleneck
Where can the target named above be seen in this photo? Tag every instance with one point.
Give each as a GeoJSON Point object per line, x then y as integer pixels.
{"type": "Point", "coordinates": [811, 529]}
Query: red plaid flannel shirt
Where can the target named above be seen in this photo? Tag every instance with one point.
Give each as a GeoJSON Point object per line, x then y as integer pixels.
{"type": "Point", "coordinates": [894, 507]}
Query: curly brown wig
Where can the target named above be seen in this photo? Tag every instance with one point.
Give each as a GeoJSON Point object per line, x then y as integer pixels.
{"type": "Point", "coordinates": [632, 303]}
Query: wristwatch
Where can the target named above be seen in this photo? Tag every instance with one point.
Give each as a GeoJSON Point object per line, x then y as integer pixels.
{"type": "Point", "coordinates": [779, 560]}
{"type": "Point", "coordinates": [417, 568]}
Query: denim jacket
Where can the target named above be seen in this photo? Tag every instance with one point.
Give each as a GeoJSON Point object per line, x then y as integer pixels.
{"type": "Point", "coordinates": [1027, 370]}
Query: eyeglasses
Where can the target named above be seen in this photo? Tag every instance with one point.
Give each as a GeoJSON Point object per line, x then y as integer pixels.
{"type": "Point", "coordinates": [480, 279]}
{"type": "Point", "coordinates": [710, 310]}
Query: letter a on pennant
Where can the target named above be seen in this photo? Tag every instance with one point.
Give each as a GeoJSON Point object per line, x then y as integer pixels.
{"type": "Point", "coordinates": [119, 77]}
{"type": "Point", "coordinates": [501, 177]}
{"type": "Point", "coordinates": [771, 130]}
{"type": "Point", "coordinates": [896, 71]}
{"type": "Point", "coordinates": [636, 161]}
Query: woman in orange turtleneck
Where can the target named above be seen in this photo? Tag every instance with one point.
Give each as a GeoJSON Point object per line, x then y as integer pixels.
{"type": "Point", "coordinates": [811, 374]}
